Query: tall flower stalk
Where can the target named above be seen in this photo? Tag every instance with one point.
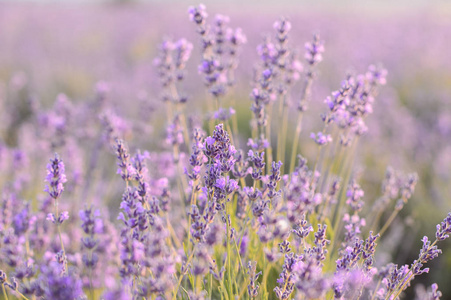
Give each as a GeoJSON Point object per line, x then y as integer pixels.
{"type": "Point", "coordinates": [55, 178]}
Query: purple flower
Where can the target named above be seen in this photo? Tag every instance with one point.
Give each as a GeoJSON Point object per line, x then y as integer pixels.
{"type": "Point", "coordinates": [267, 52]}
{"type": "Point", "coordinates": [355, 195]}
{"type": "Point", "coordinates": [314, 51]}
{"type": "Point", "coordinates": [183, 50]}
{"type": "Point", "coordinates": [60, 286]}
{"type": "Point", "coordinates": [198, 14]}
{"type": "Point", "coordinates": [282, 27]}
{"type": "Point", "coordinates": [253, 286]}
{"type": "Point", "coordinates": [209, 67]}
{"type": "Point", "coordinates": [258, 144]}
{"type": "Point", "coordinates": [444, 228]}
{"type": "Point", "coordinates": [236, 37]}
{"type": "Point", "coordinates": [224, 114]}
{"type": "Point", "coordinates": [258, 160]}
{"type": "Point", "coordinates": [286, 281]}
{"type": "Point", "coordinates": [309, 279]}
{"type": "Point", "coordinates": [23, 220]}
{"type": "Point", "coordinates": [55, 177]}
{"type": "Point", "coordinates": [175, 132]}
{"type": "Point", "coordinates": [125, 168]}
{"type": "Point", "coordinates": [435, 294]}
{"type": "Point", "coordinates": [214, 235]}
{"type": "Point", "coordinates": [428, 252]}
{"type": "Point", "coordinates": [117, 294]}
{"type": "Point", "coordinates": [320, 138]}
{"type": "Point", "coordinates": [62, 217]}
{"type": "Point", "coordinates": [220, 183]}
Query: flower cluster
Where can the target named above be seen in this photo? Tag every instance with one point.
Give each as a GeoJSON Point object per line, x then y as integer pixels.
{"type": "Point", "coordinates": [205, 215]}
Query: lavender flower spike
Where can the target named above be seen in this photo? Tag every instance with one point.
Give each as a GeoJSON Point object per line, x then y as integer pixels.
{"type": "Point", "coordinates": [444, 229]}
{"type": "Point", "coordinates": [55, 177]}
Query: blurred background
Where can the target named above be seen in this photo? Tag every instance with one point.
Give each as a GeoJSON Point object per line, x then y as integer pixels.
{"type": "Point", "coordinates": [67, 46]}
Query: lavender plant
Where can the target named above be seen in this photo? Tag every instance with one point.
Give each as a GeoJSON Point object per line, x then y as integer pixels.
{"type": "Point", "coordinates": [198, 218]}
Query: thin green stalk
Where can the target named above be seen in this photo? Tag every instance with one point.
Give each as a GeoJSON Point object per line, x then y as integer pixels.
{"type": "Point", "coordinates": [338, 157]}
{"type": "Point", "coordinates": [234, 122]}
{"type": "Point", "coordinates": [4, 291]}
{"type": "Point", "coordinates": [239, 258]}
{"type": "Point", "coordinates": [211, 122]}
{"type": "Point", "coordinates": [185, 129]}
{"type": "Point", "coordinates": [375, 290]}
{"type": "Point", "coordinates": [224, 291]}
{"type": "Point", "coordinates": [59, 234]}
{"type": "Point", "coordinates": [319, 154]}
{"type": "Point", "coordinates": [5, 294]}
{"type": "Point", "coordinates": [229, 263]}
{"type": "Point", "coordinates": [329, 153]}
{"type": "Point", "coordinates": [322, 213]}
{"type": "Point", "coordinates": [280, 128]}
{"type": "Point", "coordinates": [341, 201]}
{"type": "Point", "coordinates": [286, 283]}
{"type": "Point", "coordinates": [315, 166]}
{"type": "Point", "coordinates": [179, 281]}
{"type": "Point", "coordinates": [284, 134]}
{"type": "Point", "coordinates": [91, 289]}
{"type": "Point", "coordinates": [294, 148]}
{"type": "Point", "coordinates": [21, 295]}
{"type": "Point", "coordinates": [268, 136]}
{"type": "Point", "coordinates": [375, 220]}
{"type": "Point", "coordinates": [172, 232]}
{"type": "Point", "coordinates": [243, 290]}
{"type": "Point", "coordinates": [192, 202]}
{"type": "Point", "coordinates": [231, 133]}
{"type": "Point", "coordinates": [389, 221]}
{"type": "Point", "coordinates": [344, 169]}
{"type": "Point", "coordinates": [265, 276]}
{"type": "Point", "coordinates": [211, 285]}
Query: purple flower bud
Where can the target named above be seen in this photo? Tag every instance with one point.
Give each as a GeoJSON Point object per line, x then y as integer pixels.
{"type": "Point", "coordinates": [51, 217]}
{"type": "Point", "coordinates": [444, 228]}
{"type": "Point", "coordinates": [55, 177]}
{"type": "Point", "coordinates": [198, 14]}
{"type": "Point", "coordinates": [183, 52]}
{"type": "Point", "coordinates": [63, 216]}
{"type": "Point", "coordinates": [320, 138]}
{"type": "Point", "coordinates": [236, 37]}
{"type": "Point", "coordinates": [314, 51]}
{"type": "Point", "coordinates": [224, 114]}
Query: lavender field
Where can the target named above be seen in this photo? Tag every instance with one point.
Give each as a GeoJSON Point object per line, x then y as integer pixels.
{"type": "Point", "coordinates": [225, 151]}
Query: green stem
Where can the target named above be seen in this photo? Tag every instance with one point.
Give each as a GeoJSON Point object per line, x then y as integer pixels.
{"type": "Point", "coordinates": [342, 196]}
{"type": "Point", "coordinates": [375, 290]}
{"type": "Point", "coordinates": [15, 291]}
{"type": "Point", "coordinates": [235, 124]}
{"type": "Point", "coordinates": [330, 162]}
{"type": "Point", "coordinates": [284, 134]}
{"type": "Point", "coordinates": [91, 289]}
{"type": "Point", "coordinates": [389, 221]}
{"type": "Point", "coordinates": [179, 281]}
{"type": "Point", "coordinates": [192, 202]}
{"type": "Point", "coordinates": [4, 291]}
{"type": "Point", "coordinates": [59, 234]}
{"type": "Point", "coordinates": [268, 136]}
{"type": "Point", "coordinates": [229, 263]}
{"type": "Point", "coordinates": [265, 276]}
{"type": "Point", "coordinates": [280, 129]}
{"type": "Point", "coordinates": [294, 147]}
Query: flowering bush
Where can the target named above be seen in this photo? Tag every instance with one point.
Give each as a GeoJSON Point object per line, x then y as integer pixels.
{"type": "Point", "coordinates": [213, 213]}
